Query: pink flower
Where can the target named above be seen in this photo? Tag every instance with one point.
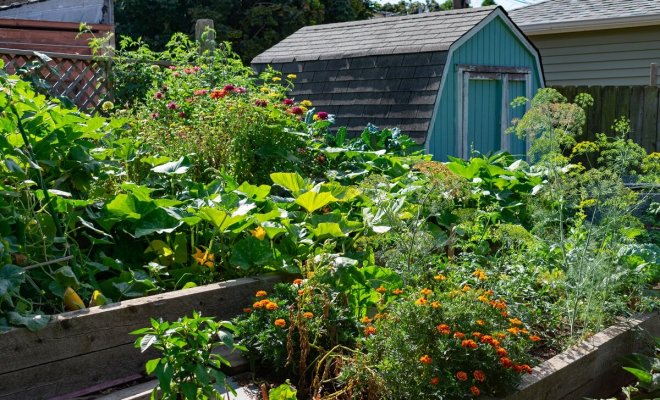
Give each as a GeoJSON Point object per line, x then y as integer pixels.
{"type": "Point", "coordinates": [240, 90]}
{"type": "Point", "coordinates": [288, 102]}
{"type": "Point", "coordinates": [322, 115]}
{"type": "Point", "coordinates": [158, 95]}
{"type": "Point", "coordinates": [189, 70]}
{"type": "Point", "coordinates": [261, 103]}
{"type": "Point", "coordinates": [176, 74]}
{"type": "Point", "coordinates": [229, 87]}
{"type": "Point", "coordinates": [155, 115]}
{"type": "Point", "coordinates": [197, 68]}
{"type": "Point", "coordinates": [296, 111]}
{"type": "Point", "coordinates": [200, 92]}
{"type": "Point", "coordinates": [172, 105]}
{"type": "Point", "coordinates": [182, 114]}
{"type": "Point", "coordinates": [172, 67]}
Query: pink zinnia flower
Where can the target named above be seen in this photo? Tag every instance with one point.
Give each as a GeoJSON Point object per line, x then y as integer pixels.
{"type": "Point", "coordinates": [176, 74]}
{"type": "Point", "coordinates": [200, 92]}
{"type": "Point", "coordinates": [155, 115]}
{"type": "Point", "coordinates": [322, 115]}
{"type": "Point", "coordinates": [261, 103]}
{"type": "Point", "coordinates": [172, 67]}
{"type": "Point", "coordinates": [182, 114]}
{"type": "Point", "coordinates": [196, 68]}
{"type": "Point", "coordinates": [296, 111]}
{"type": "Point", "coordinates": [158, 95]}
{"type": "Point", "coordinates": [240, 90]}
{"type": "Point", "coordinates": [288, 102]}
{"type": "Point", "coordinates": [171, 105]}
{"type": "Point", "coordinates": [229, 88]}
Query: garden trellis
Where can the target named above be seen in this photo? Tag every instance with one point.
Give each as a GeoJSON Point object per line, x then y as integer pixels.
{"type": "Point", "coordinates": [83, 79]}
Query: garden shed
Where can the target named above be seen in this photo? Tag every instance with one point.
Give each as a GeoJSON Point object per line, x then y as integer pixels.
{"type": "Point", "coordinates": [445, 78]}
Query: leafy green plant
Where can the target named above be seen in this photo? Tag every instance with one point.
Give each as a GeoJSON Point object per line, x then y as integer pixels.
{"type": "Point", "coordinates": [189, 366]}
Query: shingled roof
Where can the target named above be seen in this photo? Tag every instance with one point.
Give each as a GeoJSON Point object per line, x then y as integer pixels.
{"type": "Point", "coordinates": [577, 15]}
{"type": "Point", "coordinates": [88, 11]}
{"type": "Point", "coordinates": [385, 71]}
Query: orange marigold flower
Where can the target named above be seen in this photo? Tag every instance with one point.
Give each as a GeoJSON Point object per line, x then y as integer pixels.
{"type": "Point", "coordinates": [498, 304]}
{"type": "Point", "coordinates": [475, 391]}
{"type": "Point", "coordinates": [500, 335]}
{"type": "Point", "coordinates": [479, 375]}
{"type": "Point", "coordinates": [435, 380]}
{"type": "Point", "coordinates": [308, 315]}
{"type": "Point", "coordinates": [425, 359]}
{"type": "Point", "coordinates": [480, 274]}
{"type": "Point", "coordinates": [466, 288]}
{"type": "Point", "coordinates": [297, 281]}
{"type": "Point", "coordinates": [534, 338]}
{"type": "Point", "coordinates": [440, 277]}
{"type": "Point", "coordinates": [421, 301]}
{"type": "Point", "coordinates": [504, 314]}
{"type": "Point", "coordinates": [301, 292]}
{"type": "Point", "coordinates": [426, 291]}
{"type": "Point", "coordinates": [459, 335]}
{"type": "Point", "coordinates": [381, 290]}
{"type": "Point", "coordinates": [379, 316]}
{"type": "Point", "coordinates": [444, 329]}
{"type": "Point", "coordinates": [477, 334]}
{"type": "Point", "coordinates": [501, 351]}
{"type": "Point", "coordinates": [365, 320]}
{"type": "Point", "coordinates": [506, 362]}
{"type": "Point", "coordinates": [518, 368]}
{"type": "Point", "coordinates": [436, 304]}
{"type": "Point", "coordinates": [469, 344]}
{"type": "Point", "coordinates": [218, 94]}
{"type": "Point", "coordinates": [524, 331]}
{"type": "Point", "coordinates": [280, 323]}
{"type": "Point", "coordinates": [495, 343]}
{"type": "Point", "coordinates": [486, 339]}
{"type": "Point", "coordinates": [513, 330]}
{"type": "Point", "coordinates": [258, 305]}
{"type": "Point", "coordinates": [369, 330]}
{"type": "Point", "coordinates": [483, 299]}
{"type": "Point", "coordinates": [397, 292]}
{"type": "Point", "coordinates": [526, 368]}
{"type": "Point", "coordinates": [515, 321]}
{"type": "Point", "coordinates": [481, 322]}
{"type": "Point", "coordinates": [261, 293]}
{"type": "Point", "coordinates": [247, 310]}
{"type": "Point", "coordinates": [270, 306]}
{"type": "Point", "coordinates": [489, 292]}
{"type": "Point", "coordinates": [462, 376]}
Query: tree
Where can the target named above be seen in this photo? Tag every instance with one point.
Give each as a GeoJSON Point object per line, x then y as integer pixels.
{"type": "Point", "coordinates": [251, 25]}
{"type": "Point", "coordinates": [488, 3]}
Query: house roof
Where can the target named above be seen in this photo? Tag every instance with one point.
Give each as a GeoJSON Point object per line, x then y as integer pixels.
{"type": "Point", "coordinates": [557, 16]}
{"type": "Point", "coordinates": [416, 33]}
{"type": "Point", "coordinates": [88, 11]}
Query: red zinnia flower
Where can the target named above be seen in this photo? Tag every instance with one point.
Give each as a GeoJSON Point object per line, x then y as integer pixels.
{"type": "Point", "coordinates": [172, 105]}
{"type": "Point", "coordinates": [475, 390]}
{"type": "Point", "coordinates": [296, 110]}
{"type": "Point", "coordinates": [322, 115]}
{"type": "Point", "coordinates": [288, 102]}
{"type": "Point", "coordinates": [461, 376]}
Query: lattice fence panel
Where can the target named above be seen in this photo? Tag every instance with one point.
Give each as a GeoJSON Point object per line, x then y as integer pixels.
{"type": "Point", "coordinates": [81, 79]}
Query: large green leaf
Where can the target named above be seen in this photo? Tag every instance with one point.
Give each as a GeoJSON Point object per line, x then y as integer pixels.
{"type": "Point", "coordinates": [290, 181]}
{"type": "Point", "coordinates": [157, 221]}
{"type": "Point", "coordinates": [11, 278]}
{"type": "Point", "coordinates": [220, 219]}
{"type": "Point", "coordinates": [33, 322]}
{"type": "Point", "coordinates": [179, 167]}
{"type": "Point", "coordinates": [312, 201]}
{"type": "Point", "coordinates": [253, 192]}
{"type": "Point", "coordinates": [127, 206]}
{"type": "Point", "coordinates": [250, 252]}
{"type": "Point", "coordinates": [327, 229]}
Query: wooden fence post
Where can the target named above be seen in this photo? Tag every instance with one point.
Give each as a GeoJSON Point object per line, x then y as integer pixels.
{"type": "Point", "coordinates": [654, 74]}
{"type": "Point", "coordinates": [205, 35]}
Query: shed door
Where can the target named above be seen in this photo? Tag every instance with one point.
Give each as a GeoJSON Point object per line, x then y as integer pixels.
{"type": "Point", "coordinates": [485, 111]}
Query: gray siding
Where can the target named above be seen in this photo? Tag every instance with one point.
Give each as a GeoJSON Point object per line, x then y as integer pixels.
{"type": "Point", "coordinates": [607, 57]}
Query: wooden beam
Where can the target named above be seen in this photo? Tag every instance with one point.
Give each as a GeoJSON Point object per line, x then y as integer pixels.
{"type": "Point", "coordinates": [205, 35]}
{"type": "Point", "coordinates": [654, 75]}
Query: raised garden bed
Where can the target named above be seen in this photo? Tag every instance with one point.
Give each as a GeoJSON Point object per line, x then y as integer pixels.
{"type": "Point", "coordinates": [88, 350]}
{"type": "Point", "coordinates": [589, 369]}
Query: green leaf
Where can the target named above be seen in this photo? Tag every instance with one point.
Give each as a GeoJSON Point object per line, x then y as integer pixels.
{"type": "Point", "coordinates": [327, 229]}
{"type": "Point", "coordinates": [11, 278]}
{"type": "Point", "coordinates": [179, 167]}
{"type": "Point", "coordinates": [643, 376]}
{"type": "Point", "coordinates": [290, 181]}
{"type": "Point", "coordinates": [66, 277]}
{"type": "Point", "coordinates": [146, 341]}
{"type": "Point", "coordinates": [256, 193]}
{"type": "Point", "coordinates": [151, 365]}
{"type": "Point", "coordinates": [312, 201]}
{"type": "Point", "coordinates": [34, 322]}
{"type": "Point", "coordinates": [189, 390]}
{"type": "Point", "coordinates": [220, 219]}
{"type": "Point", "coordinates": [250, 252]}
{"type": "Point", "coordinates": [283, 392]}
{"type": "Point", "coordinates": [157, 221]}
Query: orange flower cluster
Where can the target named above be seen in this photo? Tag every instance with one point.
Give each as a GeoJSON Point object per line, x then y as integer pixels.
{"type": "Point", "coordinates": [421, 301]}
{"type": "Point", "coordinates": [444, 329]}
{"type": "Point", "coordinates": [426, 292]}
{"type": "Point", "coordinates": [308, 315]}
{"type": "Point", "coordinates": [425, 359]}
{"type": "Point", "coordinates": [515, 321]}
{"type": "Point", "coordinates": [218, 93]}
{"type": "Point", "coordinates": [397, 292]}
{"type": "Point", "coordinates": [524, 368]}
{"type": "Point", "coordinates": [506, 362]}
{"type": "Point", "coordinates": [247, 310]}
{"type": "Point", "coordinates": [369, 330]}
{"type": "Point", "coordinates": [534, 338]}
{"type": "Point", "coordinates": [469, 344]}
{"type": "Point", "coordinates": [479, 375]}
{"type": "Point", "coordinates": [459, 335]}
{"type": "Point", "coordinates": [265, 303]}
{"type": "Point", "coordinates": [436, 304]}
{"type": "Point", "coordinates": [514, 330]}
{"type": "Point", "coordinates": [280, 323]}
{"type": "Point", "coordinates": [462, 376]}
{"type": "Point", "coordinates": [435, 381]}
{"type": "Point", "coordinates": [297, 281]}
{"type": "Point", "coordinates": [475, 391]}
{"type": "Point", "coordinates": [501, 351]}
{"type": "Point", "coordinates": [365, 320]}
{"type": "Point", "coordinates": [261, 293]}
{"type": "Point", "coordinates": [480, 274]}
{"type": "Point", "coordinates": [381, 290]}
{"type": "Point", "coordinates": [440, 277]}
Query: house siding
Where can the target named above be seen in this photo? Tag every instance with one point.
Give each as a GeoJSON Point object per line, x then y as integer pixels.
{"type": "Point", "coordinates": [494, 45]}
{"type": "Point", "coordinates": [617, 57]}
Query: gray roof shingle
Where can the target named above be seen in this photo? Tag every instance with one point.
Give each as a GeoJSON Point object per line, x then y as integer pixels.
{"type": "Point", "coordinates": [88, 11]}
{"type": "Point", "coordinates": [583, 11]}
{"type": "Point", "coordinates": [429, 32]}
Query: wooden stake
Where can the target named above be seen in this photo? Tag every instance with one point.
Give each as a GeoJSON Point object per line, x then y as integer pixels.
{"type": "Point", "coordinates": [205, 35]}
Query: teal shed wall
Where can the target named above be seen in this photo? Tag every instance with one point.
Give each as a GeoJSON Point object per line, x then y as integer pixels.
{"type": "Point", "coordinates": [494, 45]}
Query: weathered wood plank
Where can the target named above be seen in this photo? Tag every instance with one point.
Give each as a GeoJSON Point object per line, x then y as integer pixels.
{"type": "Point", "coordinates": [649, 131]}
{"type": "Point", "coordinates": [587, 370]}
{"type": "Point", "coordinates": [107, 326]}
{"type": "Point", "coordinates": [636, 113]}
{"type": "Point", "coordinates": [593, 113]}
{"type": "Point", "coordinates": [623, 94]}
{"type": "Point", "coordinates": [608, 108]}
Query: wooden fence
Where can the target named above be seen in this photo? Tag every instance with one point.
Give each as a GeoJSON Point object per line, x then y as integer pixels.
{"type": "Point", "coordinates": [640, 104]}
{"type": "Point", "coordinates": [83, 79]}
